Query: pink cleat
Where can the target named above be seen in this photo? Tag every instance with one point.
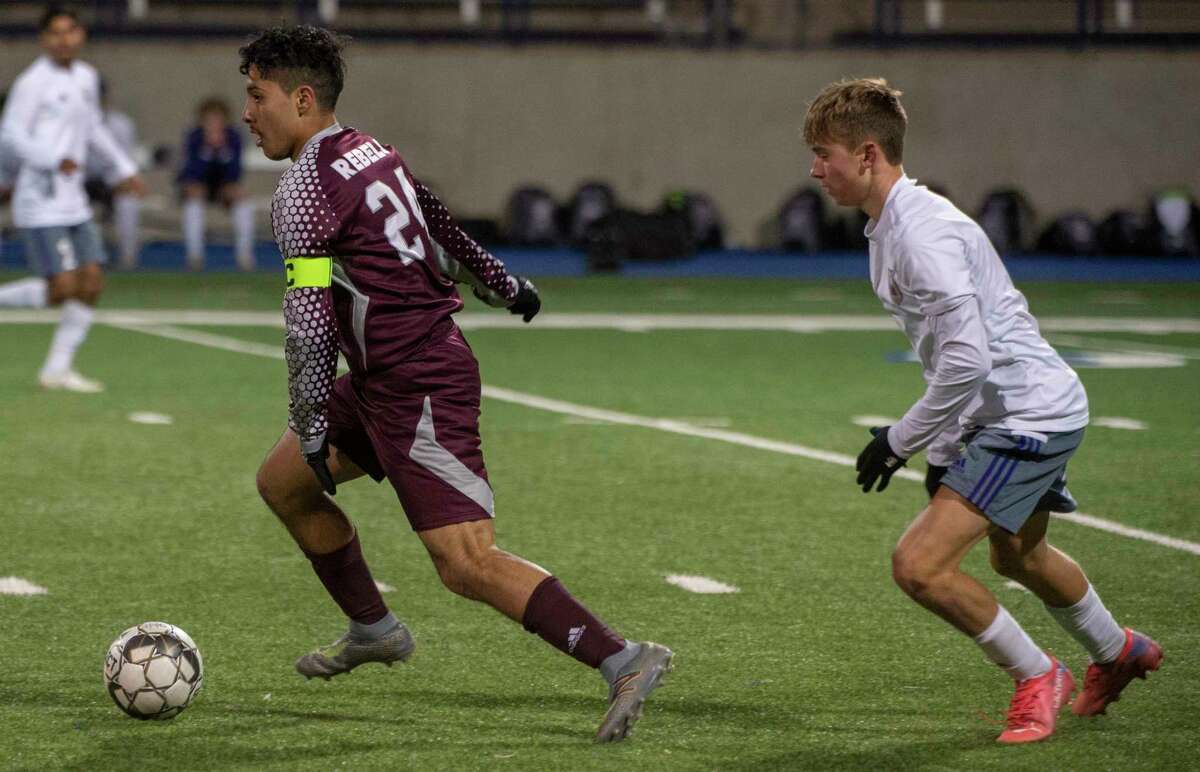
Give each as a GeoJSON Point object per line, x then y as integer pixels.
{"type": "Point", "coordinates": [1103, 684]}
{"type": "Point", "coordinates": [1034, 709]}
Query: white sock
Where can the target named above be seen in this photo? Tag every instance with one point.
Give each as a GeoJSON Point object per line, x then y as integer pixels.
{"type": "Point", "coordinates": [1010, 647]}
{"type": "Point", "coordinates": [193, 231]}
{"type": "Point", "coordinates": [1090, 623]}
{"type": "Point", "coordinates": [72, 329]}
{"type": "Point", "coordinates": [243, 234]}
{"type": "Point", "coordinates": [127, 211]}
{"type": "Point", "coordinates": [24, 293]}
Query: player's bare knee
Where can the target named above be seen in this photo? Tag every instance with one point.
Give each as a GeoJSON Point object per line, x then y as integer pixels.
{"type": "Point", "coordinates": [455, 576]}
{"type": "Point", "coordinates": [911, 574]}
{"type": "Point", "coordinates": [89, 291]}
{"type": "Point", "coordinates": [60, 289]}
{"type": "Point", "coordinates": [464, 571]}
{"type": "Point", "coordinates": [280, 497]}
{"type": "Point", "coordinates": [266, 487]}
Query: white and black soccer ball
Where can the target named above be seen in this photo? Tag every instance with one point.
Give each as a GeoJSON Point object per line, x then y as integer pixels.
{"type": "Point", "coordinates": [153, 670]}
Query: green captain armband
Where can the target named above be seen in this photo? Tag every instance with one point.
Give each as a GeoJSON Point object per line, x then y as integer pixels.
{"type": "Point", "coordinates": [308, 272]}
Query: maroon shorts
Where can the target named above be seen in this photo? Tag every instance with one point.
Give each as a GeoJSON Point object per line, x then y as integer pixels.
{"type": "Point", "coordinates": [417, 424]}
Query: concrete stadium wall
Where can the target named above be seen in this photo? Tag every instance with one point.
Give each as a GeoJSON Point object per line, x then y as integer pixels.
{"type": "Point", "coordinates": [1076, 130]}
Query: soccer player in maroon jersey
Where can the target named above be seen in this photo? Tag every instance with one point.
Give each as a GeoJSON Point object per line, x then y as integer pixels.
{"type": "Point", "coordinates": [371, 258]}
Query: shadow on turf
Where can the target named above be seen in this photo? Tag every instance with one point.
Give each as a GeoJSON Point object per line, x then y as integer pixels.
{"type": "Point", "coordinates": [919, 754]}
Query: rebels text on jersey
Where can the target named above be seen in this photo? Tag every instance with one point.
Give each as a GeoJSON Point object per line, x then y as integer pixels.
{"type": "Point", "coordinates": [351, 198]}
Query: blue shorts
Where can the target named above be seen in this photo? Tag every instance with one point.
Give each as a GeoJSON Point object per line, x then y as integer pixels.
{"type": "Point", "coordinates": [1010, 475]}
{"type": "Point", "coordinates": [60, 248]}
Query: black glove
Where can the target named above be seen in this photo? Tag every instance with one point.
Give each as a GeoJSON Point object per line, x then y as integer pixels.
{"type": "Point", "coordinates": [315, 452]}
{"type": "Point", "coordinates": [933, 477]}
{"type": "Point", "coordinates": [877, 461]}
{"type": "Point", "coordinates": [527, 303]}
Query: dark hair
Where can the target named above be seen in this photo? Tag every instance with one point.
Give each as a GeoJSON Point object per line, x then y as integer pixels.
{"type": "Point", "coordinates": [296, 56]}
{"type": "Point", "coordinates": [214, 104]}
{"type": "Point", "coordinates": [53, 11]}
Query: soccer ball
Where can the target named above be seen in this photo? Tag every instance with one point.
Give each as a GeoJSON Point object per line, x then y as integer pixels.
{"type": "Point", "coordinates": [153, 670]}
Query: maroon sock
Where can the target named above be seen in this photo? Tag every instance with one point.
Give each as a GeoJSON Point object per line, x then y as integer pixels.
{"type": "Point", "coordinates": [346, 577]}
{"type": "Point", "coordinates": [568, 626]}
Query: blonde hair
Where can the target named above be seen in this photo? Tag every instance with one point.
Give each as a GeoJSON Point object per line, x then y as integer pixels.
{"type": "Point", "coordinates": [852, 111]}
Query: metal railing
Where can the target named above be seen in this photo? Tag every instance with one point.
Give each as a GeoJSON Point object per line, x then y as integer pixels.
{"type": "Point", "coordinates": [717, 23]}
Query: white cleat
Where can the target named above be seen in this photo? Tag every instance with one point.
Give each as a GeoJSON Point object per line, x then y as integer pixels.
{"type": "Point", "coordinates": [70, 381]}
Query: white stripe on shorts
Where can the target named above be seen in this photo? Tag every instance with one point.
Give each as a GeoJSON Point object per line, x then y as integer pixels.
{"type": "Point", "coordinates": [428, 453]}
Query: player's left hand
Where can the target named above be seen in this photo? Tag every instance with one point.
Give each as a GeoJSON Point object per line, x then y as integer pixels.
{"type": "Point", "coordinates": [877, 461]}
{"type": "Point", "coordinates": [527, 302]}
{"type": "Point", "coordinates": [315, 452]}
{"type": "Point", "coordinates": [933, 478]}
{"type": "Point", "coordinates": [133, 186]}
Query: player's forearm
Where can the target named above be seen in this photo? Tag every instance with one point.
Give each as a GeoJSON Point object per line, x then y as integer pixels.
{"type": "Point", "coordinates": [937, 410]}
{"type": "Point", "coordinates": [311, 350]}
{"type": "Point", "coordinates": [117, 164]}
{"type": "Point", "coordinates": [963, 365]}
{"type": "Point", "coordinates": [483, 265]}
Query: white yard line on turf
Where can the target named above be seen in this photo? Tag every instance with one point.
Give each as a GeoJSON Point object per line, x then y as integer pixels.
{"type": "Point", "coordinates": [223, 342]}
{"type": "Point", "coordinates": [1016, 586]}
{"type": "Point", "coordinates": [15, 585]}
{"type": "Point", "coordinates": [701, 585]}
{"type": "Point", "coordinates": [667, 425]}
{"type": "Point", "coordinates": [603, 321]}
{"type": "Point", "coordinates": [151, 419]}
{"type": "Point", "coordinates": [1124, 346]}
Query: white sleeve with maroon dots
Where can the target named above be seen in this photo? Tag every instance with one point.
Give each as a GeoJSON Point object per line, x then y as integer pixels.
{"type": "Point", "coordinates": [491, 279]}
{"type": "Point", "coordinates": [304, 226]}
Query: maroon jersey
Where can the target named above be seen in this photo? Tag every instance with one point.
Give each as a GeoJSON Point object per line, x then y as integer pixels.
{"type": "Point", "coordinates": [396, 253]}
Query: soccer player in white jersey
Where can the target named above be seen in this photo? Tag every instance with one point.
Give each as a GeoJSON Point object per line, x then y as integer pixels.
{"type": "Point", "coordinates": [52, 124]}
{"type": "Point", "coordinates": [125, 207]}
{"type": "Point", "coordinates": [1001, 415]}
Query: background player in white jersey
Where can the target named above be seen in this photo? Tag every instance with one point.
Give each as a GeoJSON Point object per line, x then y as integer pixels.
{"type": "Point", "coordinates": [371, 258]}
{"type": "Point", "coordinates": [9, 166]}
{"type": "Point", "coordinates": [1000, 416]}
{"type": "Point", "coordinates": [124, 206]}
{"type": "Point", "coordinates": [51, 125]}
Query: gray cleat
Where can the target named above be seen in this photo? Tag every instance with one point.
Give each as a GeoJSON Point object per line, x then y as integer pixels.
{"type": "Point", "coordinates": [348, 652]}
{"type": "Point", "coordinates": [630, 688]}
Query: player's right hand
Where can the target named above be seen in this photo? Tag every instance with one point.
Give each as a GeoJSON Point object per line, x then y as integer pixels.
{"type": "Point", "coordinates": [315, 453]}
{"type": "Point", "coordinates": [133, 186]}
{"type": "Point", "coordinates": [67, 166]}
{"type": "Point", "coordinates": [527, 303]}
{"type": "Point", "coordinates": [933, 478]}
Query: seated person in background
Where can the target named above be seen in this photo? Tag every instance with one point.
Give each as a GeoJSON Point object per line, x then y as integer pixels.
{"type": "Point", "coordinates": [120, 203]}
{"type": "Point", "coordinates": [212, 173]}
{"type": "Point", "coordinates": [9, 166]}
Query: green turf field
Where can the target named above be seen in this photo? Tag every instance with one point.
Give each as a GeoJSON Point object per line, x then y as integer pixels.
{"type": "Point", "coordinates": [819, 662]}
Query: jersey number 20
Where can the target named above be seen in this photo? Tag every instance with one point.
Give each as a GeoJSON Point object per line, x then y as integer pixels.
{"type": "Point", "coordinates": [404, 227]}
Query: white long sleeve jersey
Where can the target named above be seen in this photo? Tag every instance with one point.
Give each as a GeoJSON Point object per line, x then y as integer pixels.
{"type": "Point", "coordinates": [984, 360]}
{"type": "Point", "coordinates": [52, 114]}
